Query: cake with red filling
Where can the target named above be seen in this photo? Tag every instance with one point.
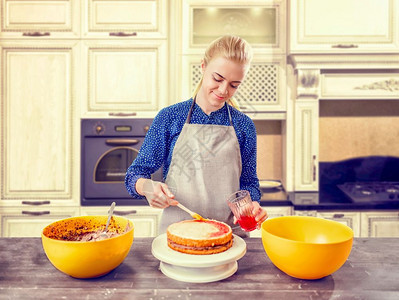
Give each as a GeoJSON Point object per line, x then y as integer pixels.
{"type": "Point", "coordinates": [199, 236]}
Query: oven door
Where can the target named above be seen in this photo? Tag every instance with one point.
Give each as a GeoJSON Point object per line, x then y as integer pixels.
{"type": "Point", "coordinates": [104, 168]}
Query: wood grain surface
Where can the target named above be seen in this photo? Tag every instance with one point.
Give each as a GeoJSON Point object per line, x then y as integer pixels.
{"type": "Point", "coordinates": [371, 272]}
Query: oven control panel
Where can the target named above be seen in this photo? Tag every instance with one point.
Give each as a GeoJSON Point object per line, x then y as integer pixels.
{"type": "Point", "coordinates": [115, 127]}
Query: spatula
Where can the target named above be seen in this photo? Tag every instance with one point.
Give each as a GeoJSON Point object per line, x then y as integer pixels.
{"type": "Point", "coordinates": [193, 214]}
{"type": "Point", "coordinates": [110, 213]}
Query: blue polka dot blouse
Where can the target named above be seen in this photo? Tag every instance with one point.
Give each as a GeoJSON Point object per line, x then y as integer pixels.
{"type": "Point", "coordinates": [161, 138]}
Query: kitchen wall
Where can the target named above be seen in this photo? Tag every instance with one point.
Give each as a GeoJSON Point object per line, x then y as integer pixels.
{"type": "Point", "coordinates": [269, 155]}
{"type": "Point", "coordinates": [356, 128]}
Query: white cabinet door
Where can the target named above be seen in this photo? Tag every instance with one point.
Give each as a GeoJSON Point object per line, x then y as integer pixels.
{"type": "Point", "coordinates": [380, 224]}
{"type": "Point", "coordinates": [30, 222]}
{"type": "Point", "coordinates": [145, 219]}
{"type": "Point", "coordinates": [350, 219]}
{"type": "Point", "coordinates": [344, 25]}
{"type": "Point", "coordinates": [273, 212]}
{"type": "Point", "coordinates": [306, 145]}
{"type": "Point", "coordinates": [38, 18]}
{"type": "Point", "coordinates": [38, 120]}
{"type": "Point", "coordinates": [128, 76]}
{"type": "Point", "coordinates": [126, 18]}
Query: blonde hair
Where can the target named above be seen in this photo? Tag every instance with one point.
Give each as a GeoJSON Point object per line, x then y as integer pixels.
{"type": "Point", "coordinates": [230, 47]}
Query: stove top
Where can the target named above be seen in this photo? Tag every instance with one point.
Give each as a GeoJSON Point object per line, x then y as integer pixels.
{"type": "Point", "coordinates": [375, 191]}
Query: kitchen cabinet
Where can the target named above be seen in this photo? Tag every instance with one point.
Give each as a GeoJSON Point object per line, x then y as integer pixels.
{"type": "Point", "coordinates": [122, 47]}
{"type": "Point", "coordinates": [380, 224]}
{"type": "Point", "coordinates": [359, 85]}
{"type": "Point", "coordinates": [306, 163]}
{"type": "Point", "coordinates": [145, 219]}
{"type": "Point", "coordinates": [30, 222]}
{"type": "Point", "coordinates": [124, 76]}
{"type": "Point", "coordinates": [263, 90]}
{"type": "Point", "coordinates": [348, 218]}
{"type": "Point", "coordinates": [272, 212]}
{"type": "Point", "coordinates": [262, 23]}
{"type": "Point", "coordinates": [363, 223]}
{"type": "Point", "coordinates": [352, 26]}
{"type": "Point", "coordinates": [320, 77]}
{"type": "Point", "coordinates": [124, 58]}
{"type": "Point", "coordinates": [125, 18]}
{"type": "Point", "coordinates": [39, 121]}
{"type": "Point", "coordinates": [32, 19]}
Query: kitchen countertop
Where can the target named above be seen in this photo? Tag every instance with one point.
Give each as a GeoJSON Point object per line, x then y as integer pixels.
{"type": "Point", "coordinates": [326, 199]}
{"type": "Point", "coordinates": [371, 272]}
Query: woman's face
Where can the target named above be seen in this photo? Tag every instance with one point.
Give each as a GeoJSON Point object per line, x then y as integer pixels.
{"type": "Point", "coordinates": [221, 78]}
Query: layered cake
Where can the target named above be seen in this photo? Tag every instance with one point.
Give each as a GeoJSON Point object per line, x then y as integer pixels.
{"type": "Point", "coordinates": [199, 236]}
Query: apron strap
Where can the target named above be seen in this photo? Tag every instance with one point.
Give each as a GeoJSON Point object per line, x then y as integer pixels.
{"type": "Point", "coordinates": [190, 112]}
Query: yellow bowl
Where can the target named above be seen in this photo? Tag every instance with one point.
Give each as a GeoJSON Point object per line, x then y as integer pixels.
{"type": "Point", "coordinates": [306, 247]}
{"type": "Point", "coordinates": [87, 259]}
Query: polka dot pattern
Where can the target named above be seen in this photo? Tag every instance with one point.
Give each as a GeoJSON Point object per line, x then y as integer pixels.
{"type": "Point", "coordinates": [157, 148]}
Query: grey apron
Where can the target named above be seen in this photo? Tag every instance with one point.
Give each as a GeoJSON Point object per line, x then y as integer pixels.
{"type": "Point", "coordinates": [205, 169]}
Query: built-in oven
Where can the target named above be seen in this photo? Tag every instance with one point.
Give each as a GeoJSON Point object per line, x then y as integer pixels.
{"type": "Point", "coordinates": [108, 148]}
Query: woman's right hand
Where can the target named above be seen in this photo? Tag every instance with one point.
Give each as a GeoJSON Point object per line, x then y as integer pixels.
{"type": "Point", "coordinates": [157, 193]}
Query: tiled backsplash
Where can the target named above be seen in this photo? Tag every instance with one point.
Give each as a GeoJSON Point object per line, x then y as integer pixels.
{"type": "Point", "coordinates": [357, 128]}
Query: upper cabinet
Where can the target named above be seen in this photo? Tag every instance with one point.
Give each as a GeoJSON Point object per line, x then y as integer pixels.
{"type": "Point", "coordinates": [261, 23]}
{"type": "Point", "coordinates": [34, 18]}
{"type": "Point", "coordinates": [84, 19]}
{"type": "Point", "coordinates": [124, 77]}
{"type": "Point", "coordinates": [121, 18]}
{"type": "Point", "coordinates": [344, 26]}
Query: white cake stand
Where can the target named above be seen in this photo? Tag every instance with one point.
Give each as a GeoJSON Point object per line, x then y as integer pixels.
{"type": "Point", "coordinates": [198, 268]}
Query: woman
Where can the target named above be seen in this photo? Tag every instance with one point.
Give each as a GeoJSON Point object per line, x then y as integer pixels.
{"type": "Point", "coordinates": [207, 147]}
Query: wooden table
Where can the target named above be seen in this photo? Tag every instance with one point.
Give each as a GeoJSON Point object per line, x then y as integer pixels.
{"type": "Point", "coordinates": [371, 272]}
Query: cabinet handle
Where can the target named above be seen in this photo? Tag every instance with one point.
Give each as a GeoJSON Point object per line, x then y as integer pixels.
{"type": "Point", "coordinates": [314, 167]}
{"type": "Point", "coordinates": [338, 216]}
{"type": "Point", "coordinates": [35, 202]}
{"type": "Point", "coordinates": [345, 46]}
{"type": "Point", "coordinates": [122, 114]}
{"type": "Point", "coordinates": [36, 33]}
{"type": "Point", "coordinates": [119, 34]}
{"type": "Point", "coordinates": [35, 213]}
{"type": "Point", "coordinates": [120, 142]}
{"type": "Point", "coordinates": [124, 213]}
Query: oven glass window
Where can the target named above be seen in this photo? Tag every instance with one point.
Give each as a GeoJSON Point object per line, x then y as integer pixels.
{"type": "Point", "coordinates": [112, 166]}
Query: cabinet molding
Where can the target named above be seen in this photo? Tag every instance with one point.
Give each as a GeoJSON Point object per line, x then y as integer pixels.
{"type": "Point", "coordinates": [360, 86]}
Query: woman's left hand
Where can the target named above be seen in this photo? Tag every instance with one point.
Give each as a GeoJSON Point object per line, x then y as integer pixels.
{"type": "Point", "coordinates": [259, 213]}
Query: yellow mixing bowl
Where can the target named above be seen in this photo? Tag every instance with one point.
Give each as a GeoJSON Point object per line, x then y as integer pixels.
{"type": "Point", "coordinates": [306, 247]}
{"type": "Point", "coordinates": [87, 259]}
